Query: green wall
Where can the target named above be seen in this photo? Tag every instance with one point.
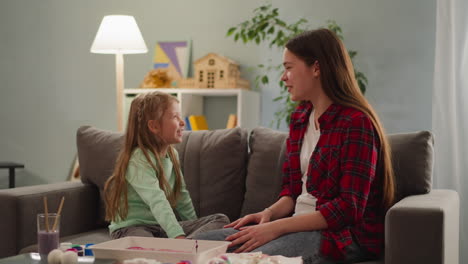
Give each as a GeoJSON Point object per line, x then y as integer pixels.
{"type": "Point", "coordinates": [51, 84]}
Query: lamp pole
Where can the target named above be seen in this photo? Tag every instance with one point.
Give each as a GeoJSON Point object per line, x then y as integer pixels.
{"type": "Point", "coordinates": [119, 70]}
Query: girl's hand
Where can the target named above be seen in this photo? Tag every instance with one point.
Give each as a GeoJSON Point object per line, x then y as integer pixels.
{"type": "Point", "coordinates": [257, 218]}
{"type": "Point", "coordinates": [252, 237]}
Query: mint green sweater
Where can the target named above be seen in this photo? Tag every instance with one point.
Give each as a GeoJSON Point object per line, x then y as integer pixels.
{"type": "Point", "coordinates": [147, 203]}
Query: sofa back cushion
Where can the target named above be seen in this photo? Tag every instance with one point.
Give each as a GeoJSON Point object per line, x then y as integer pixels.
{"type": "Point", "coordinates": [213, 164]}
{"type": "Point", "coordinates": [97, 152]}
{"type": "Point", "coordinates": [263, 183]}
{"type": "Point", "coordinates": [412, 156]}
{"type": "Point", "coordinates": [221, 180]}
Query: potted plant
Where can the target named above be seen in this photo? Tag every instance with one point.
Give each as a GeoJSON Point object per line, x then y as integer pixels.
{"type": "Point", "coordinates": [266, 26]}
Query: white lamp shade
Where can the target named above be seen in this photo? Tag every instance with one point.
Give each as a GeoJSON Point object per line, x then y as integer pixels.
{"type": "Point", "coordinates": [118, 34]}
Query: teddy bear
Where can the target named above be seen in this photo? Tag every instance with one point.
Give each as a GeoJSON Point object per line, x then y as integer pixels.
{"type": "Point", "coordinates": [156, 78]}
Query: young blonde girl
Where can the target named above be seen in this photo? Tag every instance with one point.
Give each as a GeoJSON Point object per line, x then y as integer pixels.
{"type": "Point", "coordinates": [147, 189]}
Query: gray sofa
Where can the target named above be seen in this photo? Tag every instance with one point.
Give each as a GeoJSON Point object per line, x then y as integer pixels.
{"type": "Point", "coordinates": [235, 172]}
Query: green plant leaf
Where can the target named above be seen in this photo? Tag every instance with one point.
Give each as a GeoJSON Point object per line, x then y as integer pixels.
{"type": "Point", "coordinates": [276, 99]}
{"type": "Point", "coordinates": [266, 26]}
{"type": "Point", "coordinates": [272, 43]}
{"type": "Point", "coordinates": [251, 34]}
{"type": "Point", "coordinates": [280, 22]}
{"type": "Point", "coordinates": [230, 31]}
{"type": "Point", "coordinates": [264, 8]}
{"type": "Point", "coordinates": [244, 38]}
{"type": "Point", "coordinates": [263, 26]}
{"type": "Point", "coordinates": [362, 86]}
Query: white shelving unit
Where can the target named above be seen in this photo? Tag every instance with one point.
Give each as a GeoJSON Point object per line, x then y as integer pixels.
{"type": "Point", "coordinates": [192, 102]}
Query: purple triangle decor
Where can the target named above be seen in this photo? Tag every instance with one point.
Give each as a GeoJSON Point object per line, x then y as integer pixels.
{"type": "Point", "coordinates": [169, 49]}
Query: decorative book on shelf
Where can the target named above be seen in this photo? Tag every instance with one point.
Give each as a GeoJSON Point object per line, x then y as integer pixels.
{"type": "Point", "coordinates": [232, 121]}
{"type": "Point", "coordinates": [198, 122]}
{"type": "Point", "coordinates": [188, 127]}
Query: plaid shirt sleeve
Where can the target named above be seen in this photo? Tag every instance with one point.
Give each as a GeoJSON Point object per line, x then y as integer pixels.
{"type": "Point", "coordinates": [358, 161]}
{"type": "Point", "coordinates": [285, 190]}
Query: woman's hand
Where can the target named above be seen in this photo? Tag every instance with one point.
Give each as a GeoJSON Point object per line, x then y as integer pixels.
{"type": "Point", "coordinates": [257, 218]}
{"type": "Point", "coordinates": [252, 237]}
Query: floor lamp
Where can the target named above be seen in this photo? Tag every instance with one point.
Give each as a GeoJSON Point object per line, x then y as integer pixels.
{"type": "Point", "coordinates": [119, 35]}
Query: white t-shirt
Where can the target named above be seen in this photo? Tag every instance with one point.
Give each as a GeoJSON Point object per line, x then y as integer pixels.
{"type": "Point", "coordinates": [305, 202]}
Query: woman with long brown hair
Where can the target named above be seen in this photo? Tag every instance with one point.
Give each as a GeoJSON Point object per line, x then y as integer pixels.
{"type": "Point", "coordinates": [338, 176]}
{"type": "Point", "coordinates": [147, 186]}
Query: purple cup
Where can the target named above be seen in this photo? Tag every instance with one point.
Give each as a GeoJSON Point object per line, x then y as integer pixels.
{"type": "Point", "coordinates": [48, 236]}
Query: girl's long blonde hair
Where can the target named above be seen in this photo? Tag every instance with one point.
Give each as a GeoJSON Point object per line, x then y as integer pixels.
{"type": "Point", "coordinates": [145, 107]}
{"type": "Point", "coordinates": [340, 85]}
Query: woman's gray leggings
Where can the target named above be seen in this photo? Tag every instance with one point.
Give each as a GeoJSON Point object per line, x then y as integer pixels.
{"type": "Point", "coordinates": [305, 244]}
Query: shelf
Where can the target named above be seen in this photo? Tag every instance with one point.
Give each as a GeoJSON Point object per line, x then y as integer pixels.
{"type": "Point", "coordinates": [217, 106]}
{"type": "Point", "coordinates": [204, 92]}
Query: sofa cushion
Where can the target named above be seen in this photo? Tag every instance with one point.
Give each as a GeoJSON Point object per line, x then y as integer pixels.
{"type": "Point", "coordinates": [97, 152]}
{"type": "Point", "coordinates": [263, 183]}
{"type": "Point", "coordinates": [214, 166]}
{"type": "Point", "coordinates": [412, 155]}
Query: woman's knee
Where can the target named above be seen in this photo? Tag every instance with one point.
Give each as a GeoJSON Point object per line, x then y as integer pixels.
{"type": "Point", "coordinates": [218, 234]}
{"type": "Point", "coordinates": [293, 245]}
{"type": "Point", "coordinates": [220, 218]}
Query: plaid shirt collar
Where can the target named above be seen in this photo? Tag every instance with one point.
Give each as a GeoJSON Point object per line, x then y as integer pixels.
{"type": "Point", "coordinates": [302, 113]}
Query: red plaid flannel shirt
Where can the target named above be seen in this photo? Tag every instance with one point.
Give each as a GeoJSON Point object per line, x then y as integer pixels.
{"type": "Point", "coordinates": [341, 175]}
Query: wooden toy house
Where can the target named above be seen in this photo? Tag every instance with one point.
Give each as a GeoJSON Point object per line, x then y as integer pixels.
{"type": "Point", "coordinates": [215, 71]}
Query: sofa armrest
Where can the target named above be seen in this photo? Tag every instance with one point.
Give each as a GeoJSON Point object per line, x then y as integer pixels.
{"type": "Point", "coordinates": [21, 205]}
{"type": "Point", "coordinates": [423, 229]}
